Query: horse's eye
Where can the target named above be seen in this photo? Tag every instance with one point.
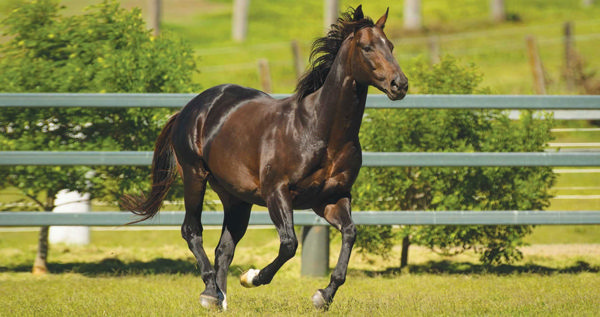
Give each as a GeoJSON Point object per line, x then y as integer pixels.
{"type": "Point", "coordinates": [367, 48]}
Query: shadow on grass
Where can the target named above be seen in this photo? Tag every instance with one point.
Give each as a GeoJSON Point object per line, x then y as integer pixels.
{"type": "Point", "coordinates": [116, 267]}
{"type": "Point", "coordinates": [450, 267]}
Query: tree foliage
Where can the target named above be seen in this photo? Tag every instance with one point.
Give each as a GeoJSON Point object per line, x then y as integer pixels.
{"type": "Point", "coordinates": [453, 188]}
{"type": "Point", "coordinates": [106, 49]}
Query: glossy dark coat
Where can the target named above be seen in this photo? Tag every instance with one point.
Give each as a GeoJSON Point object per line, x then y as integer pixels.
{"type": "Point", "coordinates": [295, 153]}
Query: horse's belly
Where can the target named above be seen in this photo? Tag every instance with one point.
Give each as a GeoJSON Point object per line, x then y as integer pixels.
{"type": "Point", "coordinates": [243, 188]}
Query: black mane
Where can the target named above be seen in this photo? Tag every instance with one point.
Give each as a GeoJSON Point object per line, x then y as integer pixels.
{"type": "Point", "coordinates": [326, 48]}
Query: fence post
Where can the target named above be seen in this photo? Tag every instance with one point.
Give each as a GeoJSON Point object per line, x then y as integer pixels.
{"type": "Point", "coordinates": [239, 23]}
{"type": "Point", "coordinates": [330, 13]}
{"type": "Point", "coordinates": [569, 56]}
{"type": "Point", "coordinates": [537, 69]}
{"type": "Point", "coordinates": [433, 42]}
{"type": "Point", "coordinates": [315, 251]}
{"type": "Point", "coordinates": [265, 75]}
{"type": "Point", "coordinates": [497, 10]}
{"type": "Point", "coordinates": [413, 15]}
{"type": "Point", "coordinates": [155, 16]}
{"type": "Point", "coordinates": [298, 65]}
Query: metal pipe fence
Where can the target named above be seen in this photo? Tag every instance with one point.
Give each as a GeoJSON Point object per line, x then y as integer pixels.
{"type": "Point", "coordinates": [587, 107]}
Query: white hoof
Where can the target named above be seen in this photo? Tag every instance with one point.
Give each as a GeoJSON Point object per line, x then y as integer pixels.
{"type": "Point", "coordinates": [319, 301]}
{"type": "Point", "coordinates": [247, 278]}
{"type": "Point", "coordinates": [213, 303]}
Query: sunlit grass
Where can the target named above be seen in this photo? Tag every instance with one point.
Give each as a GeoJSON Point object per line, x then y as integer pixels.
{"type": "Point", "coordinates": [177, 295]}
{"type": "Point", "coordinates": [151, 272]}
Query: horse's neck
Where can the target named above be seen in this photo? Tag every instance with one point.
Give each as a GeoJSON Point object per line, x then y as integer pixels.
{"type": "Point", "coordinates": [339, 105]}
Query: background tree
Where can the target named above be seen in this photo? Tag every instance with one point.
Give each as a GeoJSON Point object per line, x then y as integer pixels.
{"type": "Point", "coordinates": [106, 49]}
{"type": "Point", "coordinates": [451, 188]}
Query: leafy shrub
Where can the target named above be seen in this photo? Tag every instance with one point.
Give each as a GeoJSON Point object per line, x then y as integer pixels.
{"type": "Point", "coordinates": [106, 49]}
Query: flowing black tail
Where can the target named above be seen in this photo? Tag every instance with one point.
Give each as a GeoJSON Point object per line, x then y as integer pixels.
{"type": "Point", "coordinates": [164, 171]}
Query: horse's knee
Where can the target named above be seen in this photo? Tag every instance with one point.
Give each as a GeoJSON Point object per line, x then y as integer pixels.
{"type": "Point", "coordinates": [288, 248]}
{"type": "Point", "coordinates": [349, 233]}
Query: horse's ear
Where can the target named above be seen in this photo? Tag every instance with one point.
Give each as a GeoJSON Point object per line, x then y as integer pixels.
{"type": "Point", "coordinates": [381, 22]}
{"type": "Point", "coordinates": [358, 14]}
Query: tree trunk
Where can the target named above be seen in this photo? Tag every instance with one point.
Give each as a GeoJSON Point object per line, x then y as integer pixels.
{"type": "Point", "coordinates": [412, 15]}
{"type": "Point", "coordinates": [404, 254]}
{"type": "Point", "coordinates": [40, 265]}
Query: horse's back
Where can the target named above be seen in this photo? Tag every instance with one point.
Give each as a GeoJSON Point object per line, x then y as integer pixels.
{"type": "Point", "coordinates": [199, 121]}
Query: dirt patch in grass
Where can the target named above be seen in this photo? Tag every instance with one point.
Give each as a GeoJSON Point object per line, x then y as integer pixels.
{"type": "Point", "coordinates": [561, 249]}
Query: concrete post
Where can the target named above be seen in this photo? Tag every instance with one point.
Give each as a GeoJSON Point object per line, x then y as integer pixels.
{"type": "Point", "coordinates": [315, 251]}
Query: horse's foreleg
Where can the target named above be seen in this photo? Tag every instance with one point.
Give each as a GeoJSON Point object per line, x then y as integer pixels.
{"type": "Point", "coordinates": [191, 230]}
{"type": "Point", "coordinates": [338, 215]}
{"type": "Point", "coordinates": [280, 210]}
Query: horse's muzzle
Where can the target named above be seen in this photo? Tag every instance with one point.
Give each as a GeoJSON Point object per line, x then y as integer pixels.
{"type": "Point", "coordinates": [398, 87]}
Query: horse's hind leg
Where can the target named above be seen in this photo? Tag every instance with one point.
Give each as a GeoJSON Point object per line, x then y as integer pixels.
{"type": "Point", "coordinates": [237, 215]}
{"type": "Point", "coordinates": [194, 181]}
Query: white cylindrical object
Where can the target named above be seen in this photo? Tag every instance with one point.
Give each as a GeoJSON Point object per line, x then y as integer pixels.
{"type": "Point", "coordinates": [239, 28]}
{"type": "Point", "coordinates": [331, 8]}
{"type": "Point", "coordinates": [412, 15]}
{"type": "Point", "coordinates": [67, 202]}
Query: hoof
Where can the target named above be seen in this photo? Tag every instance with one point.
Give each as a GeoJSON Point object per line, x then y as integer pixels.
{"type": "Point", "coordinates": [214, 303]}
{"type": "Point", "coordinates": [319, 301]}
{"type": "Point", "coordinates": [247, 278]}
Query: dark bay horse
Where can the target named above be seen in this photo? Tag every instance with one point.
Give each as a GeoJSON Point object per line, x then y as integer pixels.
{"type": "Point", "coordinates": [294, 153]}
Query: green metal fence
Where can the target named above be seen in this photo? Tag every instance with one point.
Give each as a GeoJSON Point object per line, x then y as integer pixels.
{"type": "Point", "coordinates": [585, 107]}
{"type": "Point", "coordinates": [308, 218]}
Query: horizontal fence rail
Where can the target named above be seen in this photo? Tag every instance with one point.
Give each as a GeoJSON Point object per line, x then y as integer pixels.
{"type": "Point", "coordinates": [563, 107]}
{"type": "Point", "coordinates": [160, 100]}
{"type": "Point", "coordinates": [309, 218]}
{"type": "Point", "coordinates": [439, 159]}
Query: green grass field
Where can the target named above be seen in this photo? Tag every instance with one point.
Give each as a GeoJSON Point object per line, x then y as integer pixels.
{"type": "Point", "coordinates": [463, 28]}
{"type": "Point", "coordinates": [410, 295]}
{"type": "Point", "coordinates": [153, 273]}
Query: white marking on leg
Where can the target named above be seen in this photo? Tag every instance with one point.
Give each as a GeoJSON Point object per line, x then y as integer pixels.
{"type": "Point", "coordinates": [247, 278]}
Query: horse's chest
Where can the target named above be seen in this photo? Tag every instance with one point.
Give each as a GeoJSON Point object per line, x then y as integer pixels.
{"type": "Point", "coordinates": [335, 178]}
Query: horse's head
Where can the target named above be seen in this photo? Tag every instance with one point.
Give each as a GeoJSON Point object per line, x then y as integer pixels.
{"type": "Point", "coordinates": [372, 60]}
